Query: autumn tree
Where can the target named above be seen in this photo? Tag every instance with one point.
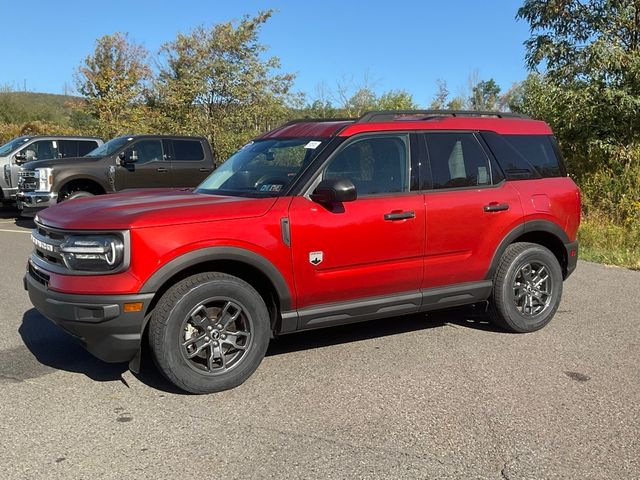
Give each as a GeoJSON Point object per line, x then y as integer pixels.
{"type": "Point", "coordinates": [216, 82]}
{"type": "Point", "coordinates": [113, 80]}
{"type": "Point", "coordinates": [587, 86]}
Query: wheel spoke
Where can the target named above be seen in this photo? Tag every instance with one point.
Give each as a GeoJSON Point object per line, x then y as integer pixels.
{"type": "Point", "coordinates": [233, 337]}
{"type": "Point", "coordinates": [198, 349]}
{"type": "Point", "coordinates": [200, 316]}
{"type": "Point", "coordinates": [226, 318]}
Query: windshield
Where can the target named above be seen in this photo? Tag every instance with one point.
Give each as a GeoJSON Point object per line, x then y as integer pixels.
{"type": "Point", "coordinates": [13, 145]}
{"type": "Point", "coordinates": [262, 168]}
{"type": "Point", "coordinates": [110, 147]}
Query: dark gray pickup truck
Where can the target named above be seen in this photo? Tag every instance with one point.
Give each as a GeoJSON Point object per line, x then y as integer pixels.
{"type": "Point", "coordinates": [139, 161]}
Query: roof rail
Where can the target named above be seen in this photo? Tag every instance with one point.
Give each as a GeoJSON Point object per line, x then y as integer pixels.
{"type": "Point", "coordinates": [417, 115]}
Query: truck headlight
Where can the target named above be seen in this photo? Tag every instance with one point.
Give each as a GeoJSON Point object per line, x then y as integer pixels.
{"type": "Point", "coordinates": [92, 252]}
{"type": "Point", "coordinates": [45, 179]}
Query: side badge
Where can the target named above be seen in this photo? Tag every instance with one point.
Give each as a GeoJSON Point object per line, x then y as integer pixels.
{"type": "Point", "coordinates": [315, 258]}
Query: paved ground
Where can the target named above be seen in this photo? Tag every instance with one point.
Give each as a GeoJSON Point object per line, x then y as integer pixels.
{"type": "Point", "coordinates": [444, 396]}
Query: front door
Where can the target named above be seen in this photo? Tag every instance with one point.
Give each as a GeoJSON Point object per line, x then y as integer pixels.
{"type": "Point", "coordinates": [369, 247]}
{"type": "Point", "coordinates": [150, 170]}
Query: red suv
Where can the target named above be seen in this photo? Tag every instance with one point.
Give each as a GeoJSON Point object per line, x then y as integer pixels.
{"type": "Point", "coordinates": [316, 223]}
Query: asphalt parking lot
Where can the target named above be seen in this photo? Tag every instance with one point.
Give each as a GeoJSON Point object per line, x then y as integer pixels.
{"type": "Point", "coordinates": [443, 396]}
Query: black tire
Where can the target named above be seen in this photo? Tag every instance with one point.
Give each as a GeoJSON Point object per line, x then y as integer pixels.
{"type": "Point", "coordinates": [514, 286]}
{"type": "Point", "coordinates": [78, 194]}
{"type": "Point", "coordinates": [188, 321]}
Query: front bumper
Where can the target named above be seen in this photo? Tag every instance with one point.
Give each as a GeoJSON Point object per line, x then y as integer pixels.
{"type": "Point", "coordinates": [572, 257]}
{"type": "Point", "coordinates": [97, 321]}
{"type": "Point", "coordinates": [9, 194]}
{"type": "Point", "coordinates": [30, 203]}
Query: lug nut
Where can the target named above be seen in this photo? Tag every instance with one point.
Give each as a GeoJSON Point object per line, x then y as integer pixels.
{"type": "Point", "coordinates": [209, 328]}
{"type": "Point", "coordinates": [223, 336]}
{"type": "Point", "coordinates": [215, 344]}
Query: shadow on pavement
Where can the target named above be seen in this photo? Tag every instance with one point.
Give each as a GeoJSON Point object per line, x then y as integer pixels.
{"type": "Point", "coordinates": [55, 348]}
{"type": "Point", "coordinates": [470, 316]}
{"type": "Point", "coordinates": [8, 212]}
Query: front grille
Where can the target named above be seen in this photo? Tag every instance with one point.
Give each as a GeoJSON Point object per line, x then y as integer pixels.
{"type": "Point", "coordinates": [38, 276]}
{"type": "Point", "coordinates": [46, 243]}
{"type": "Point", "coordinates": [27, 181]}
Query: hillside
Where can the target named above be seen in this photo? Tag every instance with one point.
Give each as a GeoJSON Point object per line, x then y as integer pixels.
{"type": "Point", "coordinates": [22, 107]}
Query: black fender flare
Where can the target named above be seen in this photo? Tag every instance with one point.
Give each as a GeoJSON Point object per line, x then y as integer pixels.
{"type": "Point", "coordinates": [526, 227]}
{"type": "Point", "coordinates": [208, 254]}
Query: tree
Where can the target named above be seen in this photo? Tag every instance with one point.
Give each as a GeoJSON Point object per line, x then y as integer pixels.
{"type": "Point", "coordinates": [440, 97]}
{"type": "Point", "coordinates": [113, 80]}
{"type": "Point", "coordinates": [484, 95]}
{"type": "Point", "coordinates": [396, 100]}
{"type": "Point", "coordinates": [589, 91]}
{"type": "Point", "coordinates": [215, 82]}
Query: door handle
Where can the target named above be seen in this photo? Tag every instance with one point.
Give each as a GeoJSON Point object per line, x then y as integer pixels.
{"type": "Point", "coordinates": [392, 216]}
{"type": "Point", "coordinates": [205, 169]}
{"type": "Point", "coordinates": [162, 170]}
{"type": "Point", "coordinates": [496, 207]}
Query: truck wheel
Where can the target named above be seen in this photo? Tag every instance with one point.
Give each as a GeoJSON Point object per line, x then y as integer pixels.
{"type": "Point", "coordinates": [78, 194]}
{"type": "Point", "coordinates": [209, 332]}
{"type": "Point", "coordinates": [527, 288]}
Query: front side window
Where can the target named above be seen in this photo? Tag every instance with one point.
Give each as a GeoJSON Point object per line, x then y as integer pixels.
{"type": "Point", "coordinates": [41, 150]}
{"type": "Point", "coordinates": [375, 165]}
{"type": "Point", "coordinates": [457, 160]}
{"type": "Point", "coordinates": [86, 146]}
{"type": "Point", "coordinates": [262, 168]}
{"type": "Point", "coordinates": [148, 151]}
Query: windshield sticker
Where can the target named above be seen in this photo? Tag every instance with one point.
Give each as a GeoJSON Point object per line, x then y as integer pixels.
{"type": "Point", "coordinates": [55, 144]}
{"type": "Point", "coordinates": [312, 144]}
{"type": "Point", "coordinates": [271, 188]}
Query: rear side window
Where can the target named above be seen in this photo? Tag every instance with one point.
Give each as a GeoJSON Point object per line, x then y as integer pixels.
{"type": "Point", "coordinates": [457, 160]}
{"type": "Point", "coordinates": [187, 150]}
{"type": "Point", "coordinates": [525, 156]}
{"type": "Point", "coordinates": [68, 148]}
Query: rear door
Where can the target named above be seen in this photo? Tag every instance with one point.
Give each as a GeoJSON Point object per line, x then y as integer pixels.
{"type": "Point", "coordinates": [470, 208]}
{"type": "Point", "coordinates": [188, 163]}
{"type": "Point", "coordinates": [369, 247]}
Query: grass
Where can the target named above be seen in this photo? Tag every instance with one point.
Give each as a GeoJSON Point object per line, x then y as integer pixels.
{"type": "Point", "coordinates": [605, 242]}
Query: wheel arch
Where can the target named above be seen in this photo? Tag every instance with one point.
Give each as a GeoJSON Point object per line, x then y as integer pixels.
{"type": "Point", "coordinates": [542, 232]}
{"type": "Point", "coordinates": [249, 266]}
{"type": "Point", "coordinates": [88, 184]}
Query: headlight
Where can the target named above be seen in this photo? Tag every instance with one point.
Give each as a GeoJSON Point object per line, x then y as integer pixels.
{"type": "Point", "coordinates": [45, 179]}
{"type": "Point", "coordinates": [92, 252]}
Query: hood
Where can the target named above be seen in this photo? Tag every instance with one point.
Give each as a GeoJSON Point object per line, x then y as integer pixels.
{"type": "Point", "coordinates": [32, 165]}
{"type": "Point", "coordinates": [150, 208]}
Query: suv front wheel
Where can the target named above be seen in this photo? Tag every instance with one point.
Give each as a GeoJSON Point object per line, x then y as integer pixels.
{"type": "Point", "coordinates": [527, 288]}
{"type": "Point", "coordinates": [209, 332]}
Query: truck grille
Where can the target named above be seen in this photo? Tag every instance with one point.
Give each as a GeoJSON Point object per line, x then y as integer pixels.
{"type": "Point", "coordinates": [46, 243]}
{"type": "Point", "coordinates": [38, 276]}
{"type": "Point", "coordinates": [27, 181]}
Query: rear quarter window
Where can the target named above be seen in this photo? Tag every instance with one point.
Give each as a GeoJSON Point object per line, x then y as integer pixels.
{"type": "Point", "coordinates": [525, 156]}
{"type": "Point", "coordinates": [187, 150]}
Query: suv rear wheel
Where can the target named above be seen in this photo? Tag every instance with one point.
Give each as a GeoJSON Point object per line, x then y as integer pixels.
{"type": "Point", "coordinates": [527, 288]}
{"type": "Point", "coordinates": [209, 332]}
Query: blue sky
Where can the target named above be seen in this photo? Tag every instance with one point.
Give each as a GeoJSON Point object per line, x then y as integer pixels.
{"type": "Point", "coordinates": [394, 45]}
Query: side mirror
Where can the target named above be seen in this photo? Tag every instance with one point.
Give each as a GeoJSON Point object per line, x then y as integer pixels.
{"type": "Point", "coordinates": [334, 190]}
{"type": "Point", "coordinates": [128, 156]}
{"type": "Point", "coordinates": [25, 156]}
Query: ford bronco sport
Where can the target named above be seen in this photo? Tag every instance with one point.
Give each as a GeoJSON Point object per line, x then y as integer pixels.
{"type": "Point", "coordinates": [316, 223]}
